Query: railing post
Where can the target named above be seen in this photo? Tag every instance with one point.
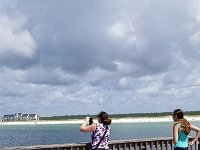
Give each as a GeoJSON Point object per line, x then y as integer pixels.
{"type": "Point", "coordinates": [146, 145]}
{"type": "Point", "coordinates": [135, 145]}
{"type": "Point", "coordinates": [156, 145]}
{"type": "Point", "coordinates": [166, 144]}
{"type": "Point", "coordinates": [88, 146]}
{"type": "Point", "coordinates": [151, 145]}
{"type": "Point", "coordinates": [198, 144]}
{"type": "Point", "coordinates": [161, 145]}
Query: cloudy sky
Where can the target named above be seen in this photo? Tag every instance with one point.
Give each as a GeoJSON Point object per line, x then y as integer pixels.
{"type": "Point", "coordinates": [84, 56]}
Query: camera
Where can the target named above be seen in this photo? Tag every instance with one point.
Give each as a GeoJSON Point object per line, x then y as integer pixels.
{"type": "Point", "coordinates": [90, 121]}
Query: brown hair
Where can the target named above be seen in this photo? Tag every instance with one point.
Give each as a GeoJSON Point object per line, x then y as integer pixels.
{"type": "Point", "coordinates": [104, 118]}
{"type": "Point", "coordinates": [179, 113]}
{"type": "Point", "coordinates": [185, 125]}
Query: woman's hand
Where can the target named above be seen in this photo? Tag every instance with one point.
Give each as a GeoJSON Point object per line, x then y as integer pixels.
{"type": "Point", "coordinates": [190, 143]}
{"type": "Point", "coordinates": [87, 119]}
{"type": "Point", "coordinates": [87, 128]}
{"type": "Point", "coordinates": [197, 130]}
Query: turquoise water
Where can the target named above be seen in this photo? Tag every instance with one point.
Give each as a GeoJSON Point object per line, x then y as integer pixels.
{"type": "Point", "coordinates": [26, 135]}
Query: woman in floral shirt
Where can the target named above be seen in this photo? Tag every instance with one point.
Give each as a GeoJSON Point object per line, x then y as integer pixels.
{"type": "Point", "coordinates": [98, 129]}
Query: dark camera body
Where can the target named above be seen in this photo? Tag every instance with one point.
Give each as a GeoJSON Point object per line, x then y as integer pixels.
{"type": "Point", "coordinates": [90, 121]}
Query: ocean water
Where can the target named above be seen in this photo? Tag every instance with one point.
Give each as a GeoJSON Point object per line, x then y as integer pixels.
{"type": "Point", "coordinates": [27, 135]}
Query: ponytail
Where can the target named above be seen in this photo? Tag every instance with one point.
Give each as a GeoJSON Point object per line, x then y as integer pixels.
{"type": "Point", "coordinates": [104, 118]}
{"type": "Point", "coordinates": [107, 121]}
{"type": "Point", "coordinates": [185, 126]}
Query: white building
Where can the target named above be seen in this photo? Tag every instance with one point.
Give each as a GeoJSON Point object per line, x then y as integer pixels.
{"type": "Point", "coordinates": [20, 117]}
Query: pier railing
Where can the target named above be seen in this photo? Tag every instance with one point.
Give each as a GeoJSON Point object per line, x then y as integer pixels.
{"type": "Point", "coordinates": [164, 143]}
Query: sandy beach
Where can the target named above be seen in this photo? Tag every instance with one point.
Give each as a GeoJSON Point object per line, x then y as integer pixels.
{"type": "Point", "coordinates": [114, 120]}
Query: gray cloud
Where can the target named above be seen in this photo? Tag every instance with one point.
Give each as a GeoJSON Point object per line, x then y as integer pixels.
{"type": "Point", "coordinates": [85, 56]}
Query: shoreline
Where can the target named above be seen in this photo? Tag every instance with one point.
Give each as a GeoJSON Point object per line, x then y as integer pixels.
{"type": "Point", "coordinates": [114, 120]}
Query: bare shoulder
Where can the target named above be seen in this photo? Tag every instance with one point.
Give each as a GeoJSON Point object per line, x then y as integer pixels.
{"type": "Point", "coordinates": [175, 127]}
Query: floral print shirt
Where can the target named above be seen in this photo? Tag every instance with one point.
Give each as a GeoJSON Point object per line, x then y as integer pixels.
{"type": "Point", "coordinates": [98, 134]}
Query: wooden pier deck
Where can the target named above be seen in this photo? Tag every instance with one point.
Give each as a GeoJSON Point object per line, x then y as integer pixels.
{"type": "Point", "coordinates": [163, 143]}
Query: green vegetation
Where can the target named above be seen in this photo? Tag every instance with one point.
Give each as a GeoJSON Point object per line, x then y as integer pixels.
{"type": "Point", "coordinates": [132, 115]}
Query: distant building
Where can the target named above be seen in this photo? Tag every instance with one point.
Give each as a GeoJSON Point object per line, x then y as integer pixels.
{"type": "Point", "coordinates": [20, 117]}
{"type": "Point", "coordinates": [33, 117]}
{"type": "Point", "coordinates": [9, 117]}
{"type": "Point", "coordinates": [25, 117]}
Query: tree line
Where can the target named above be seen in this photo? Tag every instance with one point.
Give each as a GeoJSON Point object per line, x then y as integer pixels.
{"type": "Point", "coordinates": [129, 115]}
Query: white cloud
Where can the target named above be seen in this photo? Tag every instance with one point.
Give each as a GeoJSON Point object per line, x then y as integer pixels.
{"type": "Point", "coordinates": [195, 10]}
{"type": "Point", "coordinates": [122, 30]}
{"type": "Point", "coordinates": [152, 88]}
{"type": "Point", "coordinates": [123, 82]}
{"type": "Point", "coordinates": [97, 74]}
{"type": "Point", "coordinates": [124, 68]}
{"type": "Point", "coordinates": [9, 75]}
{"type": "Point", "coordinates": [14, 39]}
{"type": "Point", "coordinates": [195, 39]}
{"type": "Point", "coordinates": [193, 78]}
